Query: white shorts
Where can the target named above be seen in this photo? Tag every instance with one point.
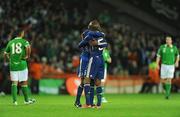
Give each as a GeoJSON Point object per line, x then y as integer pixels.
{"type": "Point", "coordinates": [167, 71]}
{"type": "Point", "coordinates": [19, 75]}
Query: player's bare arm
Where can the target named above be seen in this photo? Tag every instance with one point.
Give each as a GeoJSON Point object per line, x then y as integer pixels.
{"type": "Point", "coordinates": [28, 52]}
{"type": "Point", "coordinates": [6, 56]}
{"type": "Point", "coordinates": [109, 60]}
{"type": "Point", "coordinates": [157, 61]}
{"type": "Point", "coordinates": [177, 61]}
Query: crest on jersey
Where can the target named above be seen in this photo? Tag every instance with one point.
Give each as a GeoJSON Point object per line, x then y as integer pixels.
{"type": "Point", "coordinates": [164, 50]}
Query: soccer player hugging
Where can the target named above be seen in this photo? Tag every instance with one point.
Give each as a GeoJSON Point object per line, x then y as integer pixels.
{"type": "Point", "coordinates": [95, 68]}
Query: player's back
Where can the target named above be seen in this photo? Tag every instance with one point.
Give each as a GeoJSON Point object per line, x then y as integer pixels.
{"type": "Point", "coordinates": [100, 37]}
{"type": "Point", "coordinates": [85, 49]}
{"type": "Point", "coordinates": [16, 50]}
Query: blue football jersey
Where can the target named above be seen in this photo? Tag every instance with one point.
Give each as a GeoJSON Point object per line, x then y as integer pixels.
{"type": "Point", "coordinates": [95, 68]}
{"type": "Point", "coordinates": [85, 49]}
{"type": "Point", "coordinates": [84, 58]}
{"type": "Point", "coordinates": [97, 35]}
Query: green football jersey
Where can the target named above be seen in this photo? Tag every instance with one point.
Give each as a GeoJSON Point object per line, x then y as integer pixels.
{"type": "Point", "coordinates": [168, 54]}
{"type": "Point", "coordinates": [106, 56]}
{"type": "Point", "coordinates": [16, 49]}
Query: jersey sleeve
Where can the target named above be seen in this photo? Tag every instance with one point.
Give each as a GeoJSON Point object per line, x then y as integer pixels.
{"type": "Point", "coordinates": [176, 52]}
{"type": "Point", "coordinates": [26, 44]}
{"type": "Point", "coordinates": [7, 50]}
{"type": "Point", "coordinates": [85, 41]}
{"type": "Point", "coordinates": [106, 55]}
{"type": "Point", "coordinates": [102, 43]}
{"type": "Point", "coordinates": [159, 52]}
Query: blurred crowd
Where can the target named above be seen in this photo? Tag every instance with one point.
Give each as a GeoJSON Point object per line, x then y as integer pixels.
{"type": "Point", "coordinates": [54, 28]}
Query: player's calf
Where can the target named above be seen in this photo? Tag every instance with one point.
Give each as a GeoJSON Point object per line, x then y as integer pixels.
{"type": "Point", "coordinates": [79, 93]}
{"type": "Point", "coordinates": [87, 90]}
{"type": "Point", "coordinates": [92, 84]}
{"type": "Point", "coordinates": [14, 92]}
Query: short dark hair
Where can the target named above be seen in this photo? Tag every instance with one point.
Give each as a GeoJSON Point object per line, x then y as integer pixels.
{"type": "Point", "coordinates": [94, 25]}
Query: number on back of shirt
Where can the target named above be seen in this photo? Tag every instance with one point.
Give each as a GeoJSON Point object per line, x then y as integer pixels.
{"type": "Point", "coordinates": [16, 48]}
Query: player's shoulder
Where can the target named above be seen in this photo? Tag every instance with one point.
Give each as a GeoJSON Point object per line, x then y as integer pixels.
{"type": "Point", "coordinates": [96, 33]}
{"type": "Point", "coordinates": [21, 40]}
{"type": "Point", "coordinates": [85, 32]}
{"type": "Point", "coordinates": [174, 46]}
{"type": "Point", "coordinates": [163, 46]}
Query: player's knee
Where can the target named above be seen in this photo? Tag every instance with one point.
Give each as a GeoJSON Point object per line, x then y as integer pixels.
{"type": "Point", "coordinates": [92, 83]}
{"type": "Point", "coordinates": [82, 81]}
{"type": "Point", "coordinates": [24, 83]}
{"type": "Point", "coordinates": [15, 82]}
{"type": "Point", "coordinates": [98, 82]}
{"type": "Point", "coordinates": [86, 80]}
{"type": "Point", "coordinates": [168, 80]}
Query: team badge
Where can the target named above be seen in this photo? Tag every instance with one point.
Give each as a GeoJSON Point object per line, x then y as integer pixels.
{"type": "Point", "coordinates": [164, 50]}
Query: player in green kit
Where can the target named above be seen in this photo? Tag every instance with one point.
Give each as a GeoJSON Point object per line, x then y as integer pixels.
{"type": "Point", "coordinates": [169, 56]}
{"type": "Point", "coordinates": [17, 52]}
{"type": "Point", "coordinates": [107, 59]}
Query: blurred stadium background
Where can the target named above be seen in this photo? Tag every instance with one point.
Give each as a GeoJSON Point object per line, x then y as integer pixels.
{"type": "Point", "coordinates": [135, 29]}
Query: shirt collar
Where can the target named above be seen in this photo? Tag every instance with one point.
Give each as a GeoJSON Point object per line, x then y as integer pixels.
{"type": "Point", "coordinates": [169, 46]}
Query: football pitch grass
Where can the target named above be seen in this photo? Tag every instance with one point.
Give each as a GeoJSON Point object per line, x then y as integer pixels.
{"type": "Point", "coordinates": [119, 105]}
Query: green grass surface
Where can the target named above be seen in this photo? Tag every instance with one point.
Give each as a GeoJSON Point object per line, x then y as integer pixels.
{"type": "Point", "coordinates": [125, 105]}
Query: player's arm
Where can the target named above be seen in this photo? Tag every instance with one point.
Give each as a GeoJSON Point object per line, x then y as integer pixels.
{"type": "Point", "coordinates": [177, 58]}
{"type": "Point", "coordinates": [6, 57]}
{"type": "Point", "coordinates": [158, 58]}
{"type": "Point", "coordinates": [6, 53]}
{"type": "Point", "coordinates": [85, 41]}
{"type": "Point", "coordinates": [28, 50]}
{"type": "Point", "coordinates": [107, 56]}
{"type": "Point", "coordinates": [109, 60]}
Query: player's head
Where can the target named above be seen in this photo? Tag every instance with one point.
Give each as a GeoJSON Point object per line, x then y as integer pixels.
{"type": "Point", "coordinates": [168, 40]}
{"type": "Point", "coordinates": [94, 25]}
{"type": "Point", "coordinates": [19, 33]}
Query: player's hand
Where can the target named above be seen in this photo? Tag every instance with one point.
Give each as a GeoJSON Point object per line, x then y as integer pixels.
{"type": "Point", "coordinates": [158, 66]}
{"type": "Point", "coordinates": [93, 42]}
{"type": "Point", "coordinates": [5, 63]}
{"type": "Point", "coordinates": [25, 58]}
{"type": "Point", "coordinates": [177, 64]}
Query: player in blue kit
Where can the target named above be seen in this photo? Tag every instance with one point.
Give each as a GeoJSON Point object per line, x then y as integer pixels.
{"type": "Point", "coordinates": [95, 70]}
{"type": "Point", "coordinates": [84, 59]}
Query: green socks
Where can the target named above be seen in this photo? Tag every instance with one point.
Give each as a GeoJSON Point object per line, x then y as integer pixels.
{"type": "Point", "coordinates": [25, 91]}
{"type": "Point", "coordinates": [14, 92]}
{"type": "Point", "coordinates": [168, 89]}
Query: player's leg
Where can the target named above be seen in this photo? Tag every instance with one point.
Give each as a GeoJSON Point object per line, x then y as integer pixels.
{"type": "Point", "coordinates": [103, 81]}
{"type": "Point", "coordinates": [170, 76]}
{"type": "Point", "coordinates": [14, 91]}
{"type": "Point", "coordinates": [91, 72]}
{"type": "Point", "coordinates": [24, 86]}
{"type": "Point", "coordinates": [99, 78]}
{"type": "Point", "coordinates": [23, 79]}
{"type": "Point", "coordinates": [79, 93]}
{"type": "Point", "coordinates": [87, 90]}
{"type": "Point", "coordinates": [98, 92]}
{"type": "Point", "coordinates": [14, 79]}
{"type": "Point", "coordinates": [92, 84]}
{"type": "Point", "coordinates": [168, 87]}
{"type": "Point", "coordinates": [81, 74]}
{"type": "Point", "coordinates": [167, 73]}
